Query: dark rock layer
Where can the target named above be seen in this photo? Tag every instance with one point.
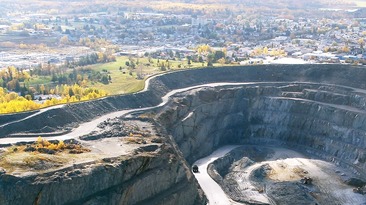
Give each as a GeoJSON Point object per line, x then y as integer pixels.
{"type": "Point", "coordinates": [331, 126]}
{"type": "Point", "coordinates": [317, 108]}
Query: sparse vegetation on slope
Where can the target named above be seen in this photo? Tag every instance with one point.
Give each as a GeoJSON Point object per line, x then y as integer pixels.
{"type": "Point", "coordinates": [11, 102]}
{"type": "Point", "coordinates": [41, 155]}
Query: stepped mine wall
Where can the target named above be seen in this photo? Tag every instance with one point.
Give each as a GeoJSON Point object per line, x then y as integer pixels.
{"type": "Point", "coordinates": [303, 106]}
{"type": "Point", "coordinates": [67, 117]}
{"type": "Point", "coordinates": [327, 124]}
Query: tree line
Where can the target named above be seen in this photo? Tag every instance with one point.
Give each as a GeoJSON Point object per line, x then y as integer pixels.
{"type": "Point", "coordinates": [11, 102]}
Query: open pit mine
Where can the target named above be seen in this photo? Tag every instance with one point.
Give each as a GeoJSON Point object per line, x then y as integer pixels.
{"type": "Point", "coordinates": [270, 134]}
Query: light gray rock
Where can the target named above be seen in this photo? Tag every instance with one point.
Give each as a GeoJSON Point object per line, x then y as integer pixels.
{"type": "Point", "coordinates": [334, 130]}
{"type": "Point", "coordinates": [304, 106]}
{"type": "Point", "coordinates": [162, 178]}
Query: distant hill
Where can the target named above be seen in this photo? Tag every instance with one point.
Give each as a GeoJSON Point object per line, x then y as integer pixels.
{"type": "Point", "coordinates": [298, 4]}
{"type": "Point", "coordinates": [178, 6]}
{"type": "Point", "coordinates": [291, 4]}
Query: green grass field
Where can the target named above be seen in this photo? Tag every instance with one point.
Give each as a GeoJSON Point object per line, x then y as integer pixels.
{"type": "Point", "coordinates": [38, 80]}
{"type": "Point", "coordinates": [124, 79]}
{"type": "Point", "coordinates": [123, 82]}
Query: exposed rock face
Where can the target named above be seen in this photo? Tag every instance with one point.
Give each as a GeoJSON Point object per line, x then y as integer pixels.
{"type": "Point", "coordinates": [305, 106]}
{"type": "Point", "coordinates": [159, 178]}
{"type": "Point", "coordinates": [62, 119]}
{"type": "Point", "coordinates": [325, 120]}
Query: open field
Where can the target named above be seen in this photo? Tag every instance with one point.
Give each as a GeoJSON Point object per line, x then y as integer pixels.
{"type": "Point", "coordinates": [126, 80]}
{"type": "Point", "coordinates": [38, 80]}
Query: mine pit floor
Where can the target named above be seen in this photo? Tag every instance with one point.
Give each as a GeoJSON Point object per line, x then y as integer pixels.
{"type": "Point", "coordinates": [278, 179]}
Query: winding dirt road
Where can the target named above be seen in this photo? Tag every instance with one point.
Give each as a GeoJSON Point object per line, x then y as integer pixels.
{"type": "Point", "coordinates": [331, 189]}
{"type": "Point", "coordinates": [87, 127]}
{"type": "Point", "coordinates": [213, 191]}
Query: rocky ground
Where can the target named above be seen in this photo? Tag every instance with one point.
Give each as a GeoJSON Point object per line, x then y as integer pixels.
{"type": "Point", "coordinates": [125, 161]}
{"type": "Point", "coordinates": [268, 175]}
{"type": "Point", "coordinates": [117, 137]}
{"type": "Point", "coordinates": [112, 138]}
{"type": "Point", "coordinates": [310, 107]}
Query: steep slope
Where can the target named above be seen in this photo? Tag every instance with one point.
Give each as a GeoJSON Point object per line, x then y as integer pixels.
{"type": "Point", "coordinates": [312, 108]}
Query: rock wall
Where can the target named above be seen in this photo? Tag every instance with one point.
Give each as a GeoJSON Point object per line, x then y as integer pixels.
{"type": "Point", "coordinates": [326, 120]}
{"type": "Point", "coordinates": [62, 119]}
{"type": "Point", "coordinates": [67, 117]}
{"type": "Point", "coordinates": [308, 107]}
{"type": "Point", "coordinates": [144, 179]}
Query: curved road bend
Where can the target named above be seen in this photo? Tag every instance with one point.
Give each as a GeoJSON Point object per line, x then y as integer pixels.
{"type": "Point", "coordinates": [213, 191]}
{"type": "Point", "coordinates": [87, 127]}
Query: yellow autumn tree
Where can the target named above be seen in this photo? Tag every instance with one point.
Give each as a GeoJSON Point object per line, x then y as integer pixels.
{"type": "Point", "coordinates": [204, 49]}
{"type": "Point", "coordinates": [221, 61]}
{"type": "Point", "coordinates": [11, 102]}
